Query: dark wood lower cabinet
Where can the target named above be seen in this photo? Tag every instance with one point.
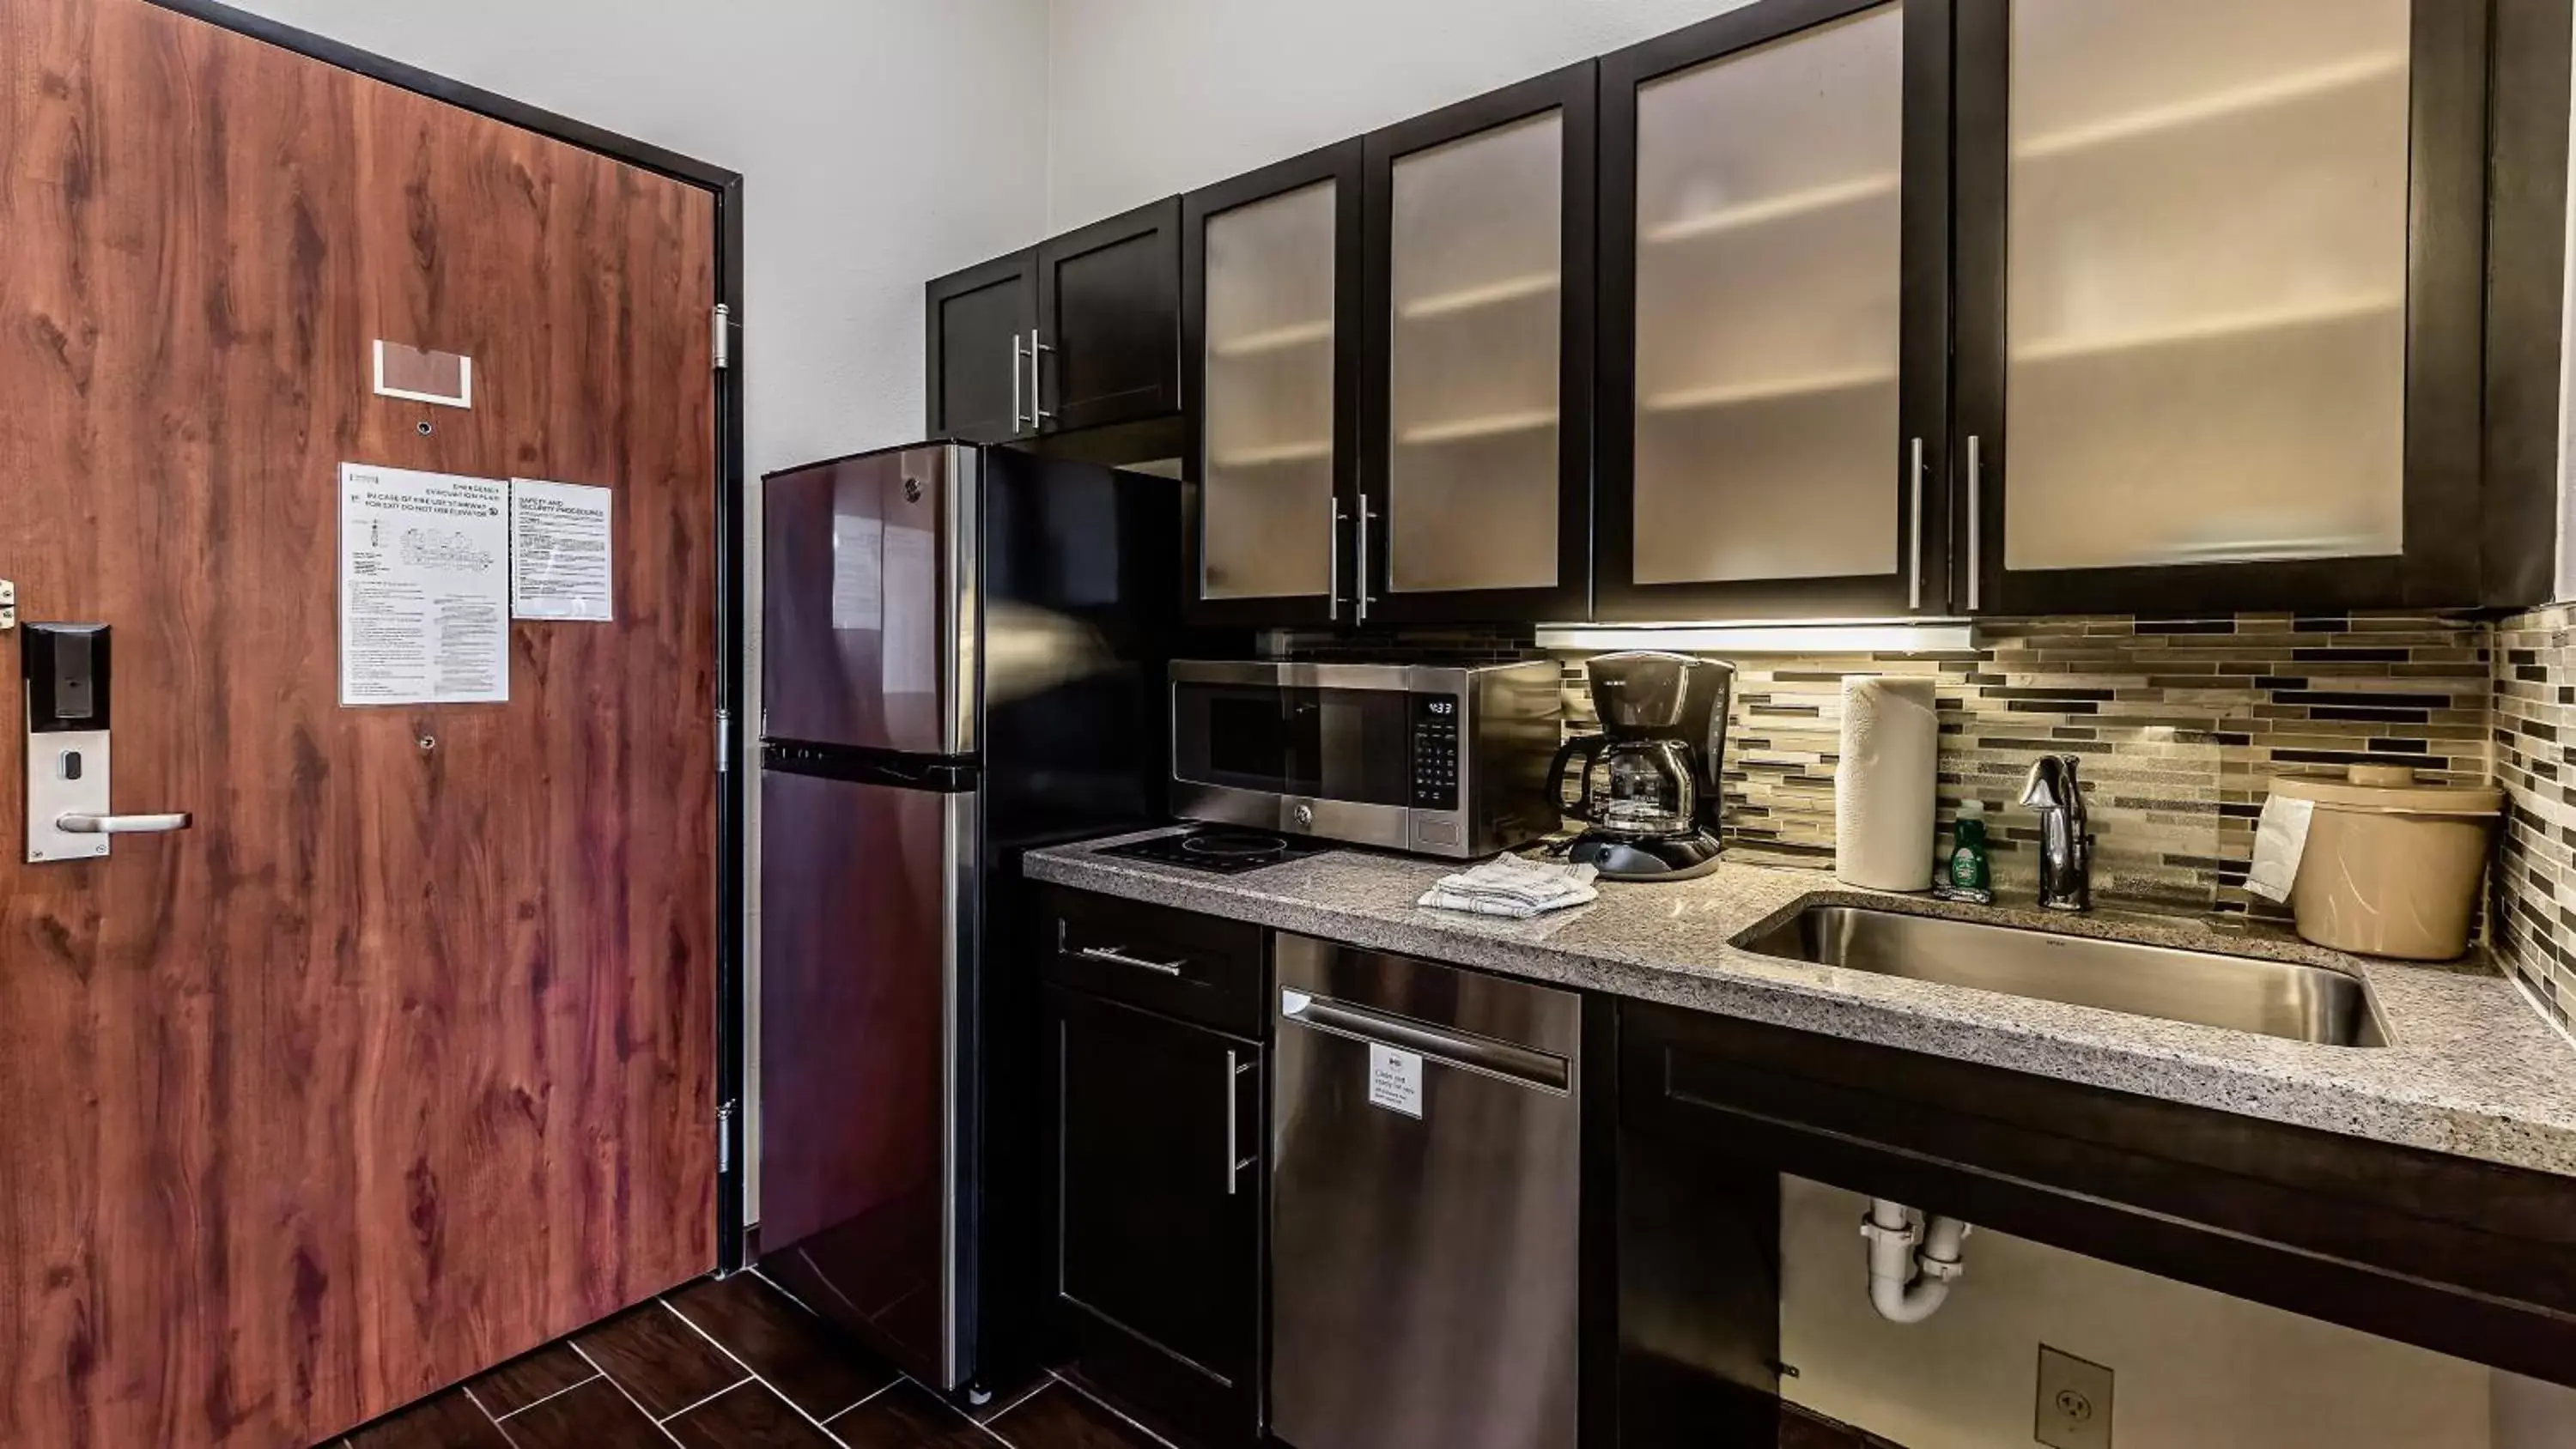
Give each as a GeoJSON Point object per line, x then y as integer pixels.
{"type": "Point", "coordinates": [2462, 1257]}
{"type": "Point", "coordinates": [1158, 1177]}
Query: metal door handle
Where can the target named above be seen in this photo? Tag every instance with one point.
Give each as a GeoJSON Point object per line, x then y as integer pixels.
{"type": "Point", "coordinates": [82, 823]}
{"type": "Point", "coordinates": [1038, 413]}
{"type": "Point", "coordinates": [1366, 513]}
{"type": "Point", "coordinates": [1333, 561]}
{"type": "Point", "coordinates": [1233, 1169]}
{"type": "Point", "coordinates": [1017, 353]}
{"type": "Point", "coordinates": [1976, 531]}
{"type": "Point", "coordinates": [1914, 510]}
{"type": "Point", "coordinates": [1117, 956]}
{"type": "Point", "coordinates": [1488, 1056]}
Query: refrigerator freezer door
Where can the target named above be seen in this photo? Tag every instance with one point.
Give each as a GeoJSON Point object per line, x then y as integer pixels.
{"type": "Point", "coordinates": [871, 601]}
{"type": "Point", "coordinates": [868, 925]}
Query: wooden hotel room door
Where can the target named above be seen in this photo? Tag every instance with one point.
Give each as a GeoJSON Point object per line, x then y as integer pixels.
{"type": "Point", "coordinates": [403, 1059]}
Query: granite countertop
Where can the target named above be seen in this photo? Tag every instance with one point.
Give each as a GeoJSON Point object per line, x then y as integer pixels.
{"type": "Point", "coordinates": [2471, 1069]}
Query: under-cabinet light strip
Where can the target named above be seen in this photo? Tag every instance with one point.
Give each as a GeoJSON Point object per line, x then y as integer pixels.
{"type": "Point", "coordinates": [1913, 636]}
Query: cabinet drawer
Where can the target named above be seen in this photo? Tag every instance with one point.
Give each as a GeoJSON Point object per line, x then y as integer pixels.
{"type": "Point", "coordinates": [1197, 968]}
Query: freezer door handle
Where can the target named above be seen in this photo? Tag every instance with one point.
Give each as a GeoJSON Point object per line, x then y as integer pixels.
{"type": "Point", "coordinates": [1485, 1055]}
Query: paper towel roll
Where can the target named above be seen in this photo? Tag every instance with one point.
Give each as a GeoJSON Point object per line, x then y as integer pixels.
{"type": "Point", "coordinates": [1883, 794]}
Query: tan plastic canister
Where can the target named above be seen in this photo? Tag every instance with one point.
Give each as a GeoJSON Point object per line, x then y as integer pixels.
{"type": "Point", "coordinates": [2391, 867]}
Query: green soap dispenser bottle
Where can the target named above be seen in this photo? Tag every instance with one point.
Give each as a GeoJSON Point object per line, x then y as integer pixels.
{"type": "Point", "coordinates": [1964, 876]}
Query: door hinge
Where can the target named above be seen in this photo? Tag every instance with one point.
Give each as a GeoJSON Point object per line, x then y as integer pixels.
{"type": "Point", "coordinates": [8, 606]}
{"type": "Point", "coordinates": [724, 742]}
{"type": "Point", "coordinates": [724, 1138]}
{"type": "Point", "coordinates": [723, 336]}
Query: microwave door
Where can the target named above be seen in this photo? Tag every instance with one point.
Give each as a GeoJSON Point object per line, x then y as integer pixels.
{"type": "Point", "coordinates": [870, 601]}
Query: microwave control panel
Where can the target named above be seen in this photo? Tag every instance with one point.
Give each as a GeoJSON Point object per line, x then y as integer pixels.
{"type": "Point", "coordinates": [1435, 752]}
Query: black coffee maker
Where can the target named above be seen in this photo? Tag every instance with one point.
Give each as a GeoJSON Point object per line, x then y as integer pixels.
{"type": "Point", "coordinates": [1648, 789]}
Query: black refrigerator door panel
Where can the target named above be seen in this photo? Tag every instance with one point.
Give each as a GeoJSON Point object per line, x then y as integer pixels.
{"type": "Point", "coordinates": [868, 933]}
{"type": "Point", "coordinates": [1081, 564]}
{"type": "Point", "coordinates": [869, 583]}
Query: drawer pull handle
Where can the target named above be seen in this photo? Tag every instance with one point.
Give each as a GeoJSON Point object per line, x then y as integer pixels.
{"type": "Point", "coordinates": [1117, 956]}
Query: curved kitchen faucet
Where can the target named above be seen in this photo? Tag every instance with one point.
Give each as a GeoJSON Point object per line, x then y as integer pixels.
{"type": "Point", "coordinates": [2065, 842]}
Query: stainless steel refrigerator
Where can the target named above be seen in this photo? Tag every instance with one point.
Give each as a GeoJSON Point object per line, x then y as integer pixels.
{"type": "Point", "coordinates": [962, 660]}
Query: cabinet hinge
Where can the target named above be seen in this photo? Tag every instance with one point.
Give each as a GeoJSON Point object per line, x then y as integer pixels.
{"type": "Point", "coordinates": [724, 1138]}
{"type": "Point", "coordinates": [723, 336]}
{"type": "Point", "coordinates": [8, 606]}
{"type": "Point", "coordinates": [724, 742]}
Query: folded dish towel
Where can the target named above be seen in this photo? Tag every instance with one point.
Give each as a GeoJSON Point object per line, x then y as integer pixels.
{"type": "Point", "coordinates": [1510, 886]}
{"type": "Point", "coordinates": [2280, 838]}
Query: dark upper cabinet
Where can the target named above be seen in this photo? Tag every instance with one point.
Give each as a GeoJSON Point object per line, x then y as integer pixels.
{"type": "Point", "coordinates": [2219, 289]}
{"type": "Point", "coordinates": [1476, 402]}
{"type": "Point", "coordinates": [1081, 331]}
{"type": "Point", "coordinates": [1271, 278]}
{"type": "Point", "coordinates": [1109, 304]}
{"type": "Point", "coordinates": [1159, 1179]}
{"type": "Point", "coordinates": [1774, 315]}
{"type": "Point", "coordinates": [979, 322]}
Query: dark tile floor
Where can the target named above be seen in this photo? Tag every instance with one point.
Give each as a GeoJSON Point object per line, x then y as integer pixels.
{"type": "Point", "coordinates": [736, 1364]}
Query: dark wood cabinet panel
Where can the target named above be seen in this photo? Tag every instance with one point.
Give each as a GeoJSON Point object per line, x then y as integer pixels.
{"type": "Point", "coordinates": [1775, 315]}
{"type": "Point", "coordinates": [2459, 1256]}
{"type": "Point", "coordinates": [1198, 968]}
{"type": "Point", "coordinates": [1109, 301]}
{"type": "Point", "coordinates": [1158, 1183]}
{"type": "Point", "coordinates": [981, 377]}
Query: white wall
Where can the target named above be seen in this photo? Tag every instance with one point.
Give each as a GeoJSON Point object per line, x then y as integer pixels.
{"type": "Point", "coordinates": [883, 142]}
{"type": "Point", "coordinates": [1150, 97]}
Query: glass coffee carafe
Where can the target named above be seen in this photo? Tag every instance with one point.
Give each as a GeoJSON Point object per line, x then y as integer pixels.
{"type": "Point", "coordinates": [1648, 786]}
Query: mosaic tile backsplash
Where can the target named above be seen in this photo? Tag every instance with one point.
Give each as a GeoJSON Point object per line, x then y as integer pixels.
{"type": "Point", "coordinates": [2180, 723]}
{"type": "Point", "coordinates": [2533, 890]}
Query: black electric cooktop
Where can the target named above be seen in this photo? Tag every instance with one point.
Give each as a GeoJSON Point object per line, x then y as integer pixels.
{"type": "Point", "coordinates": [1220, 849]}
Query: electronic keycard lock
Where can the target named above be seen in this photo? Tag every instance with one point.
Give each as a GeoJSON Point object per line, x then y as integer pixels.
{"type": "Point", "coordinates": [67, 694]}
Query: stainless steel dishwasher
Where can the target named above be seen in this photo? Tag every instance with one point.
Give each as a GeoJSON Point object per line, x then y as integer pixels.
{"type": "Point", "coordinates": [1424, 1205]}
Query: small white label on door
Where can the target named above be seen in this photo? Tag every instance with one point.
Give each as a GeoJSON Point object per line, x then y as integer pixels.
{"type": "Point", "coordinates": [1395, 1080]}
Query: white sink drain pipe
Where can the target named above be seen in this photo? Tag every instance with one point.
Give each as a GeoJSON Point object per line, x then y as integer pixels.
{"type": "Point", "coordinates": [1907, 1285]}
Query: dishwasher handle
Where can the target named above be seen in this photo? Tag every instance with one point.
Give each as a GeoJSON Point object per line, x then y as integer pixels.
{"type": "Point", "coordinates": [1481, 1054]}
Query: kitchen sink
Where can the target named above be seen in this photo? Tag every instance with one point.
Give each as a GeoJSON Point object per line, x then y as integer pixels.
{"type": "Point", "coordinates": [2274, 998]}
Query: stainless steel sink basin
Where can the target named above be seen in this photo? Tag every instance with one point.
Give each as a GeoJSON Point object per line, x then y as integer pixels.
{"type": "Point", "coordinates": [2275, 998]}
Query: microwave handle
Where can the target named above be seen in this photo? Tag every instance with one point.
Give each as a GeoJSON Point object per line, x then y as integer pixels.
{"type": "Point", "coordinates": [1588, 746]}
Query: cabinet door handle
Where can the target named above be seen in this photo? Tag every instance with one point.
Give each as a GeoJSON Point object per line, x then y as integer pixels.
{"type": "Point", "coordinates": [1117, 956]}
{"type": "Point", "coordinates": [1976, 522]}
{"type": "Point", "coordinates": [1333, 560]}
{"type": "Point", "coordinates": [1038, 413]}
{"type": "Point", "coordinates": [1914, 527]}
{"type": "Point", "coordinates": [1235, 1161]}
{"type": "Point", "coordinates": [1018, 356]}
{"type": "Point", "coordinates": [1366, 513]}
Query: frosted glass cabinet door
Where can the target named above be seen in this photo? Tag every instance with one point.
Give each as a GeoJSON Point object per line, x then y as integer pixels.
{"type": "Point", "coordinates": [2207, 284]}
{"type": "Point", "coordinates": [1266, 446]}
{"type": "Point", "coordinates": [1768, 270]}
{"type": "Point", "coordinates": [1775, 218]}
{"type": "Point", "coordinates": [1478, 278]}
{"type": "Point", "coordinates": [1271, 279]}
{"type": "Point", "coordinates": [2221, 303]}
{"type": "Point", "coordinates": [1480, 287]}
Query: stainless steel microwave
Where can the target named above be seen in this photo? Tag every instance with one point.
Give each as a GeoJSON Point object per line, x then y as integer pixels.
{"type": "Point", "coordinates": [1440, 760]}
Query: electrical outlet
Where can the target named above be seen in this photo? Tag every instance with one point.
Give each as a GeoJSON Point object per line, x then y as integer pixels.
{"type": "Point", "coordinates": [2074, 1409]}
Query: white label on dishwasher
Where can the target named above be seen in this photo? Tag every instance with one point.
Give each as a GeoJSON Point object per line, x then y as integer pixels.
{"type": "Point", "coordinates": [1395, 1080]}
